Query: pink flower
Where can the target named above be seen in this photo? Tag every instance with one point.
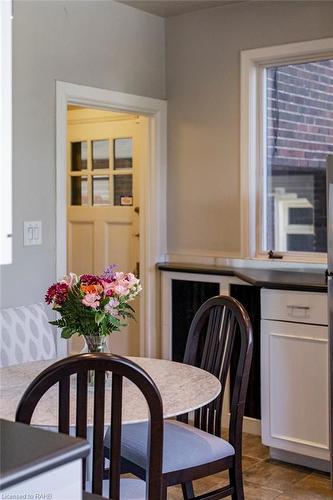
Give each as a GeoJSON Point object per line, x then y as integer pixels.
{"type": "Point", "coordinates": [91, 300]}
{"type": "Point", "coordinates": [121, 290]}
{"type": "Point", "coordinates": [132, 280]}
{"type": "Point", "coordinates": [70, 279]}
{"type": "Point", "coordinates": [108, 286]}
{"type": "Point", "coordinates": [121, 285]}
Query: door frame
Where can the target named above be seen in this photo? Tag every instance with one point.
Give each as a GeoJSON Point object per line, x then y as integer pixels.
{"type": "Point", "coordinates": [152, 185]}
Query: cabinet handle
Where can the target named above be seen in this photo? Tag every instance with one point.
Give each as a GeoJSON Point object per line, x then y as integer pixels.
{"type": "Point", "coordinates": [304, 308]}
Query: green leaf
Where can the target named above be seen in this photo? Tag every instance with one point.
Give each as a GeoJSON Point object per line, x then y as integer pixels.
{"type": "Point", "coordinates": [67, 332]}
{"type": "Point", "coordinates": [99, 316]}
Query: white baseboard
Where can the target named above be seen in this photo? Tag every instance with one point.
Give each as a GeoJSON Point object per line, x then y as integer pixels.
{"type": "Point", "coordinates": [295, 458]}
{"type": "Point", "coordinates": [250, 425]}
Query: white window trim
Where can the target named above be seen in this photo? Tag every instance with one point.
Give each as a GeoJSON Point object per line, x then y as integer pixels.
{"type": "Point", "coordinates": [252, 134]}
{"type": "Point", "coordinates": [6, 132]}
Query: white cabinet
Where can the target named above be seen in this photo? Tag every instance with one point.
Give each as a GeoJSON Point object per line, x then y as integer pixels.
{"type": "Point", "coordinates": [294, 373]}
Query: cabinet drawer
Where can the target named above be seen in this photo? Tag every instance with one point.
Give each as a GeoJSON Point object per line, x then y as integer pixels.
{"type": "Point", "coordinates": [289, 305]}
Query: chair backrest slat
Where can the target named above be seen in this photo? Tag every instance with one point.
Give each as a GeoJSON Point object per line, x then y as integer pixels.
{"type": "Point", "coordinates": [81, 403]}
{"type": "Point", "coordinates": [63, 407]}
{"type": "Point", "coordinates": [221, 327]}
{"type": "Point", "coordinates": [98, 449]}
{"type": "Point", "coordinates": [100, 363]}
{"type": "Point", "coordinates": [217, 313]}
{"type": "Point", "coordinates": [115, 439]}
{"type": "Point", "coordinates": [81, 412]}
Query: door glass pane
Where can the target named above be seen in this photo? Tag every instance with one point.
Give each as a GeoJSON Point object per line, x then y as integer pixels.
{"type": "Point", "coordinates": [123, 153]}
{"type": "Point", "coordinates": [123, 194]}
{"type": "Point", "coordinates": [299, 103]}
{"type": "Point", "coordinates": [101, 193]}
{"type": "Point", "coordinates": [79, 156]}
{"type": "Point", "coordinates": [100, 154]}
{"type": "Point", "coordinates": [79, 190]}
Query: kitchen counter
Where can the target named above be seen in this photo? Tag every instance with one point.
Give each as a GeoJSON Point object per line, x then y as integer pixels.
{"type": "Point", "coordinates": [267, 278]}
{"type": "Point", "coordinates": [27, 452]}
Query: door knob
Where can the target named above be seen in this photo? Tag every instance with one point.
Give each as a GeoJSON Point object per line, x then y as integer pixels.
{"type": "Point", "coordinates": [137, 210]}
{"type": "Point", "coordinates": [137, 235]}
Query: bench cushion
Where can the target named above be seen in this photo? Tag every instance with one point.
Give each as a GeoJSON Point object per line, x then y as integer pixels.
{"type": "Point", "coordinates": [25, 335]}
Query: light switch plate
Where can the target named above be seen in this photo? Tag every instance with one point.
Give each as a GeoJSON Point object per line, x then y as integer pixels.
{"type": "Point", "coordinates": [32, 233]}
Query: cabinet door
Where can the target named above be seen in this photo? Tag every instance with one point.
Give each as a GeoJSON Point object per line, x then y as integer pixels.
{"type": "Point", "coordinates": [294, 392]}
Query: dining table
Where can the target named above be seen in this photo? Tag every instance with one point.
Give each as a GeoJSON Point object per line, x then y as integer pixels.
{"type": "Point", "coordinates": [183, 388]}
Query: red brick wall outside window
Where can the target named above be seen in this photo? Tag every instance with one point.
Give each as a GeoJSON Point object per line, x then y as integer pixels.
{"type": "Point", "coordinates": [299, 138]}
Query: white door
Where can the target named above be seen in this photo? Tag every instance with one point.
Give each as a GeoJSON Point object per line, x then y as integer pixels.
{"type": "Point", "coordinates": [103, 201]}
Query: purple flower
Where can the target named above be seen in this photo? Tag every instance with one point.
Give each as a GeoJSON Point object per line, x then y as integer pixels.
{"type": "Point", "coordinates": [109, 273]}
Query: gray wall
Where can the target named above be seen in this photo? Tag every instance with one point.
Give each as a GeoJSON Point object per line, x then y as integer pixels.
{"type": "Point", "coordinates": [102, 44]}
{"type": "Point", "coordinates": [203, 90]}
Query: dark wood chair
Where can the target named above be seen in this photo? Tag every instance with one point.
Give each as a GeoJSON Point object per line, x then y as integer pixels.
{"type": "Point", "coordinates": [221, 330]}
{"type": "Point", "coordinates": [79, 365]}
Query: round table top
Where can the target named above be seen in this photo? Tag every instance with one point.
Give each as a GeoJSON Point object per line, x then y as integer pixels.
{"type": "Point", "coordinates": [183, 388]}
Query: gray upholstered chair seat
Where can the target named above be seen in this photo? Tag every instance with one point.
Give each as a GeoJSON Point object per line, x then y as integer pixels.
{"type": "Point", "coordinates": [184, 446]}
{"type": "Point", "coordinates": [130, 489]}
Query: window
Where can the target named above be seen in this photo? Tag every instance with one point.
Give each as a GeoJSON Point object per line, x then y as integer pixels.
{"type": "Point", "coordinates": [287, 134]}
{"type": "Point", "coordinates": [101, 172]}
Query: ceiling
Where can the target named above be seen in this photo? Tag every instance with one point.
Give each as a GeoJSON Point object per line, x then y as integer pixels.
{"type": "Point", "coordinates": [169, 8]}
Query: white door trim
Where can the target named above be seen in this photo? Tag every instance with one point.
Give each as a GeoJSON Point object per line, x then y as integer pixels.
{"type": "Point", "coordinates": [153, 199]}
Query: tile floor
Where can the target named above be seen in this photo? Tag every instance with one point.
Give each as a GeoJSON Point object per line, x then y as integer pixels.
{"type": "Point", "coordinates": [266, 479]}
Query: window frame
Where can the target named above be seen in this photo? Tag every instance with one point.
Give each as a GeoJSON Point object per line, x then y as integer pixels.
{"type": "Point", "coordinates": [253, 139]}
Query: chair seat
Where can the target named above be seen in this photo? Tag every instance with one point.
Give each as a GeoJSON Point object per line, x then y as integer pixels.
{"type": "Point", "coordinates": [130, 489]}
{"type": "Point", "coordinates": [184, 446]}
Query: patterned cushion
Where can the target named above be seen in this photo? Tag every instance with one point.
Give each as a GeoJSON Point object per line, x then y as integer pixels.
{"type": "Point", "coordinates": [25, 335]}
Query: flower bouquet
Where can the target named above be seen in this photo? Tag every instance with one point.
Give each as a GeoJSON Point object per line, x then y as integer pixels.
{"type": "Point", "coordinates": [93, 306]}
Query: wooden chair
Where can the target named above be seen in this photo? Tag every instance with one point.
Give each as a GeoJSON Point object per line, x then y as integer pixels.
{"type": "Point", "coordinates": [220, 330]}
{"type": "Point", "coordinates": [79, 365]}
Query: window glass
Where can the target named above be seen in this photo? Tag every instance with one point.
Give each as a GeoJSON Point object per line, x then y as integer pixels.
{"type": "Point", "coordinates": [100, 154]}
{"type": "Point", "coordinates": [79, 156]}
{"type": "Point", "coordinates": [123, 190]}
{"type": "Point", "coordinates": [101, 192]}
{"type": "Point", "coordinates": [123, 153]}
{"type": "Point", "coordinates": [299, 103]}
{"type": "Point", "coordinates": [79, 190]}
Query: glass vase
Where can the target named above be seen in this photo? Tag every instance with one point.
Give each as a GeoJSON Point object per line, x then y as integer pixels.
{"type": "Point", "coordinates": [94, 343]}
